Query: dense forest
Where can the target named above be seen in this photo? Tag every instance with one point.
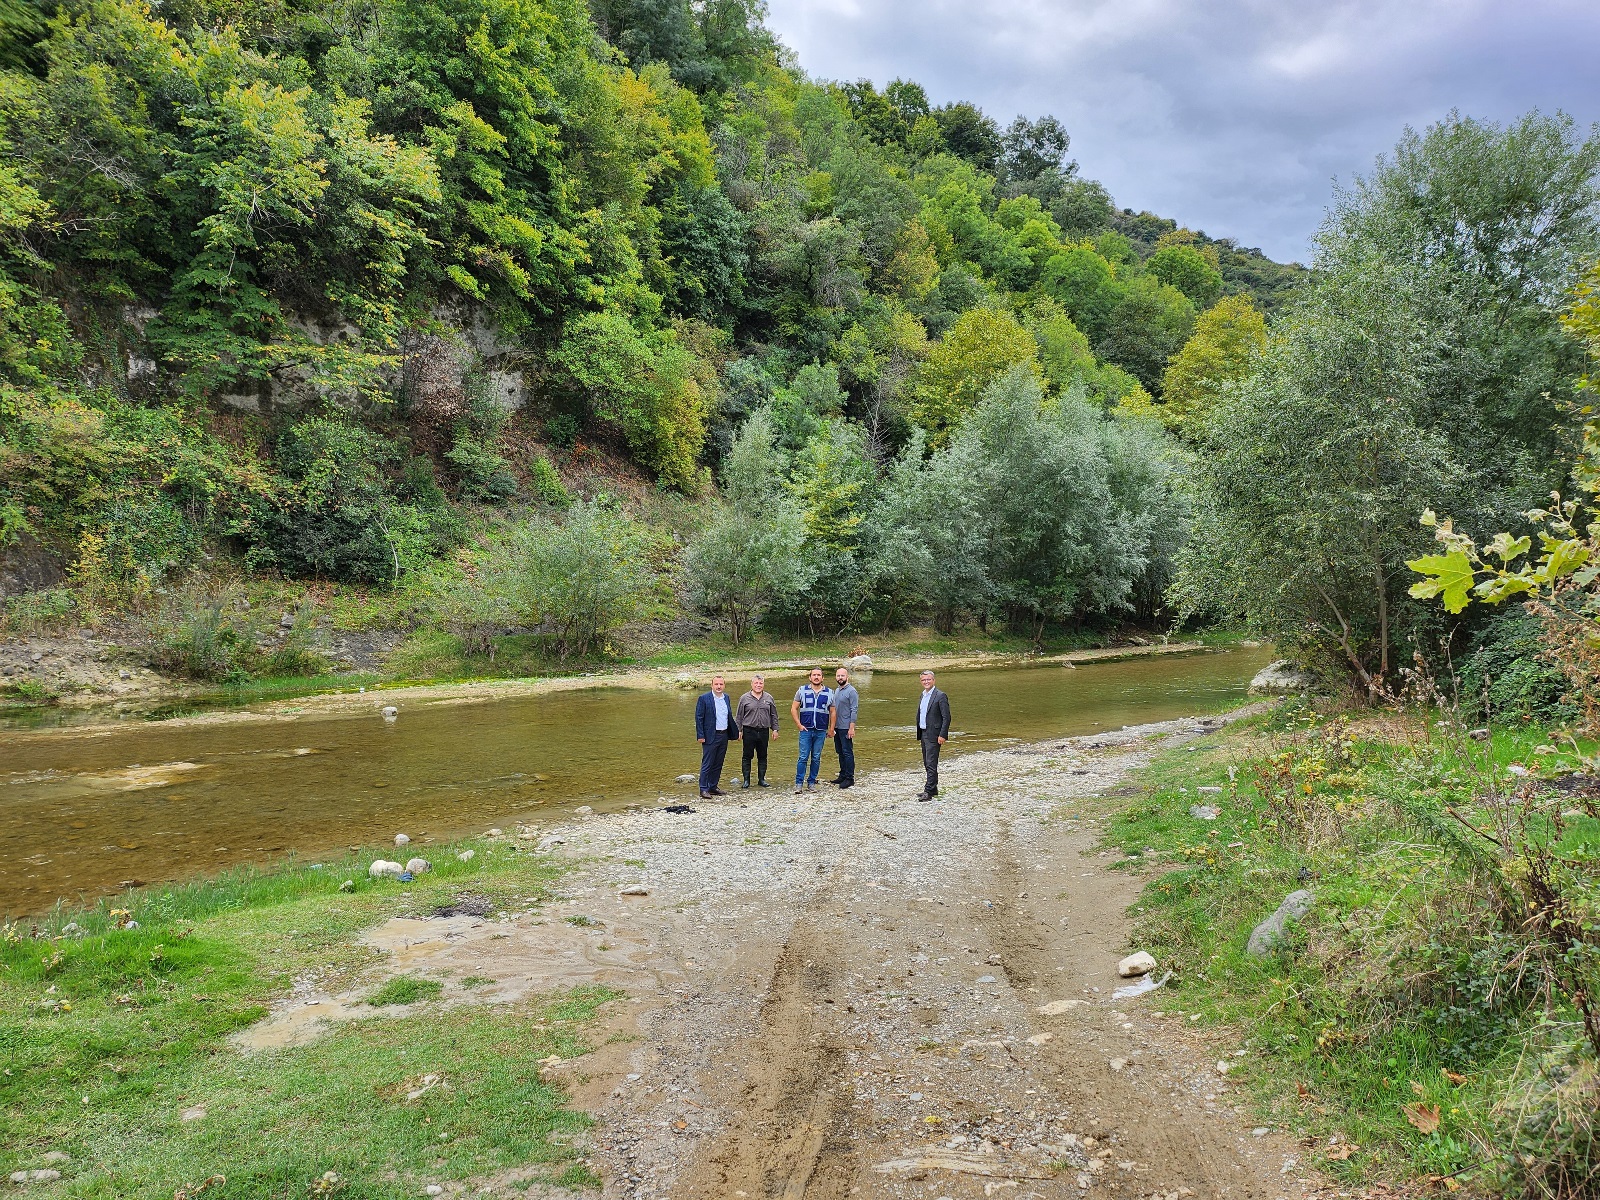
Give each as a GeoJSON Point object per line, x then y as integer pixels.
{"type": "Point", "coordinates": [342, 292]}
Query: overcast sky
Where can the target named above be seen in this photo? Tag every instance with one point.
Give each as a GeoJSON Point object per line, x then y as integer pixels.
{"type": "Point", "coordinates": [1231, 116]}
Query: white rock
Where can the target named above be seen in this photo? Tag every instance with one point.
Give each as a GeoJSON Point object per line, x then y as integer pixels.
{"type": "Point", "coordinates": [1478, 735]}
{"type": "Point", "coordinates": [45, 1176]}
{"type": "Point", "coordinates": [349, 885]}
{"type": "Point", "coordinates": [401, 839]}
{"type": "Point", "coordinates": [1040, 1039]}
{"type": "Point", "coordinates": [549, 842]}
{"type": "Point", "coordinates": [1223, 1067]}
{"type": "Point", "coordinates": [987, 979]}
{"type": "Point", "coordinates": [391, 713]}
{"type": "Point", "coordinates": [1269, 935]}
{"type": "Point", "coordinates": [382, 868]}
{"type": "Point", "coordinates": [433, 1189]}
{"type": "Point", "coordinates": [1516, 769]}
{"type": "Point", "coordinates": [859, 662]}
{"type": "Point", "coordinates": [1116, 1064]}
{"type": "Point", "coordinates": [634, 889]}
{"type": "Point", "coordinates": [495, 833]}
{"type": "Point", "coordinates": [55, 1156]}
{"type": "Point", "coordinates": [685, 779]}
{"type": "Point", "coordinates": [1280, 679]}
{"type": "Point", "coordinates": [1135, 965]}
{"type": "Point", "coordinates": [418, 865]}
{"type": "Point", "coordinates": [19, 1177]}
{"type": "Point", "coordinates": [583, 810]}
{"type": "Point", "coordinates": [70, 928]}
{"type": "Point", "coordinates": [466, 856]}
{"type": "Point", "coordinates": [194, 1113]}
{"type": "Point", "coordinates": [1204, 812]}
{"type": "Point", "coordinates": [1209, 790]}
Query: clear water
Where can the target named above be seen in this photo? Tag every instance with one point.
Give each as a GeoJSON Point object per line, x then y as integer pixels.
{"type": "Point", "coordinates": [85, 811]}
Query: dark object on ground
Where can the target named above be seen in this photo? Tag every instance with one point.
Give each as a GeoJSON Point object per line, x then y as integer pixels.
{"type": "Point", "coordinates": [471, 904]}
{"type": "Point", "coordinates": [682, 808]}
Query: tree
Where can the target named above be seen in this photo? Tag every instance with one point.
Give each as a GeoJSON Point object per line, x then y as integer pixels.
{"type": "Point", "coordinates": [750, 554]}
{"type": "Point", "coordinates": [982, 345]}
{"type": "Point", "coordinates": [1227, 339]}
{"type": "Point", "coordinates": [1188, 270]}
{"type": "Point", "coordinates": [581, 577]}
{"type": "Point", "coordinates": [1150, 323]}
{"type": "Point", "coordinates": [1030, 149]}
{"type": "Point", "coordinates": [1085, 284]}
{"type": "Point", "coordinates": [969, 134]}
{"type": "Point", "coordinates": [1310, 474]}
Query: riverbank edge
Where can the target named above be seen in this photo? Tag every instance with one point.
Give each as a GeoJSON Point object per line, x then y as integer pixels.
{"type": "Point", "coordinates": [477, 691]}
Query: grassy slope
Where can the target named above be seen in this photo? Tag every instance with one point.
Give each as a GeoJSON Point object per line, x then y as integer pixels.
{"type": "Point", "coordinates": [109, 1036]}
{"type": "Point", "coordinates": [1388, 996]}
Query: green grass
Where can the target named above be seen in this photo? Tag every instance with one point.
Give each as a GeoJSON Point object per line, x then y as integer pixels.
{"type": "Point", "coordinates": [405, 989]}
{"type": "Point", "coordinates": [110, 1033]}
{"type": "Point", "coordinates": [1392, 992]}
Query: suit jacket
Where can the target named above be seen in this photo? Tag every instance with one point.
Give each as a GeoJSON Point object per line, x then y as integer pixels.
{"type": "Point", "coordinates": [705, 717]}
{"type": "Point", "coordinates": [938, 714]}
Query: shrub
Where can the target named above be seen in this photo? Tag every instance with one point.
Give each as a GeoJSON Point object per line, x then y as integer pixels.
{"type": "Point", "coordinates": [1504, 675]}
{"type": "Point", "coordinates": [547, 483]}
{"type": "Point", "coordinates": [583, 577]}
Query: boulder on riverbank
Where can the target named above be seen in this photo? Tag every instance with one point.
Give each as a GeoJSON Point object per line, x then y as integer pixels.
{"type": "Point", "coordinates": [382, 868]}
{"type": "Point", "coordinates": [1281, 678]}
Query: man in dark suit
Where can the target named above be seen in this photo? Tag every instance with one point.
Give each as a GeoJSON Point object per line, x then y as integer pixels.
{"type": "Point", "coordinates": [933, 727]}
{"type": "Point", "coordinates": [714, 727]}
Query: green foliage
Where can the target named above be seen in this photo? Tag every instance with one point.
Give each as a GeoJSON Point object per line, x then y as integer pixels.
{"type": "Point", "coordinates": [547, 483]}
{"type": "Point", "coordinates": [981, 346]}
{"type": "Point", "coordinates": [405, 989]}
{"type": "Point", "coordinates": [583, 577]}
{"type": "Point", "coordinates": [1228, 338]}
{"type": "Point", "coordinates": [1188, 270]}
{"type": "Point", "coordinates": [350, 510]}
{"type": "Point", "coordinates": [1503, 677]}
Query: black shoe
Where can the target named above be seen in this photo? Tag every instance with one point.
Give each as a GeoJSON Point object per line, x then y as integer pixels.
{"type": "Point", "coordinates": [744, 783]}
{"type": "Point", "coordinates": [833, 783]}
{"type": "Point", "coordinates": [705, 795]}
{"type": "Point", "coordinates": [718, 792]}
{"type": "Point", "coordinates": [762, 783]}
{"type": "Point", "coordinates": [924, 796]}
{"type": "Point", "coordinates": [847, 784]}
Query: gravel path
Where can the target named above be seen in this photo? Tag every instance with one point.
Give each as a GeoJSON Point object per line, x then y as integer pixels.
{"type": "Point", "coordinates": [854, 994]}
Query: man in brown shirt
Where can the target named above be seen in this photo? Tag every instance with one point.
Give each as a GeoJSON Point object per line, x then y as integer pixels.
{"type": "Point", "coordinates": [757, 717]}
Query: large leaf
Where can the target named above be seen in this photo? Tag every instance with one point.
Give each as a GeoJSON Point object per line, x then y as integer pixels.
{"type": "Point", "coordinates": [1452, 578]}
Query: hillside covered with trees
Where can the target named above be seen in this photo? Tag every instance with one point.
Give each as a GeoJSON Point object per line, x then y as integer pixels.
{"type": "Point", "coordinates": [452, 298]}
{"type": "Point", "coordinates": [333, 291]}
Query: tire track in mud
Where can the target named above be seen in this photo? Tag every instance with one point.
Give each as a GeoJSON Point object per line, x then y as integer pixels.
{"type": "Point", "coordinates": [791, 1139]}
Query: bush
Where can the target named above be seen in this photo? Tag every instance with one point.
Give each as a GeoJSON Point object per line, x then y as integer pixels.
{"type": "Point", "coordinates": [1504, 675]}
{"type": "Point", "coordinates": [339, 515]}
{"type": "Point", "coordinates": [207, 631]}
{"type": "Point", "coordinates": [583, 577]}
{"type": "Point", "coordinates": [547, 483]}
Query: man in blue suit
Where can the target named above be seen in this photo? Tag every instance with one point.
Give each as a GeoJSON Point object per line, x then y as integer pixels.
{"type": "Point", "coordinates": [714, 727]}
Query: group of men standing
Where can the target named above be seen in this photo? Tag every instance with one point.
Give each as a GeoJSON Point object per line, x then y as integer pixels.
{"type": "Point", "coordinates": [819, 713]}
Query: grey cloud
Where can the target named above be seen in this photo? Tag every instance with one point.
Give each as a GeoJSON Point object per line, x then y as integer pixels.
{"type": "Point", "coordinates": [1233, 116]}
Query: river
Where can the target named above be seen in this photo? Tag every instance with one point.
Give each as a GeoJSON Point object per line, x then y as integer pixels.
{"type": "Point", "coordinates": [84, 812]}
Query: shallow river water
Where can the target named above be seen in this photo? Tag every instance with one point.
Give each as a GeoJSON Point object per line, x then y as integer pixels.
{"type": "Point", "coordinates": [84, 812]}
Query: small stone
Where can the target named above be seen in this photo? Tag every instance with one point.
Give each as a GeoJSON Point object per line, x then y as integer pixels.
{"type": "Point", "coordinates": [382, 868]}
{"type": "Point", "coordinates": [286, 621]}
{"type": "Point", "coordinates": [1135, 965]}
{"type": "Point", "coordinates": [685, 779]}
{"type": "Point", "coordinates": [71, 928]}
{"type": "Point", "coordinates": [1260, 1131]}
{"type": "Point", "coordinates": [44, 1176]}
{"type": "Point", "coordinates": [391, 713]}
{"type": "Point", "coordinates": [196, 1112]}
{"type": "Point", "coordinates": [986, 979]}
{"type": "Point", "coordinates": [634, 889]}
{"type": "Point", "coordinates": [1117, 1064]}
{"type": "Point", "coordinates": [349, 885]}
{"type": "Point", "coordinates": [417, 866]}
{"type": "Point", "coordinates": [1223, 1067]}
{"type": "Point", "coordinates": [19, 1177]}
{"type": "Point", "coordinates": [583, 810]}
{"type": "Point", "coordinates": [1040, 1039]}
{"type": "Point", "coordinates": [548, 842]}
{"type": "Point", "coordinates": [495, 833]}
{"type": "Point", "coordinates": [1517, 769]}
{"type": "Point", "coordinates": [56, 1156]}
{"type": "Point", "coordinates": [433, 1189]}
{"type": "Point", "coordinates": [466, 856]}
{"type": "Point", "coordinates": [1478, 735]}
{"type": "Point", "coordinates": [401, 839]}
{"type": "Point", "coordinates": [1280, 679]}
{"type": "Point", "coordinates": [1204, 812]}
{"type": "Point", "coordinates": [1056, 1007]}
{"type": "Point", "coordinates": [1209, 790]}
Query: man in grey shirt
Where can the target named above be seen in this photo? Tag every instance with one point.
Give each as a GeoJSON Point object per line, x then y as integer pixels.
{"type": "Point", "coordinates": [846, 707]}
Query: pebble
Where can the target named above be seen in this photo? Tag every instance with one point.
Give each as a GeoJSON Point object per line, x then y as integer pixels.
{"type": "Point", "coordinates": [418, 865]}
{"type": "Point", "coordinates": [986, 979]}
{"type": "Point", "coordinates": [1204, 812]}
{"type": "Point", "coordinates": [1260, 1131]}
{"type": "Point", "coordinates": [37, 1176]}
{"type": "Point", "coordinates": [684, 779]}
{"type": "Point", "coordinates": [1479, 735]}
{"type": "Point", "coordinates": [634, 889]}
{"type": "Point", "coordinates": [1135, 965]}
{"type": "Point", "coordinates": [583, 810]}
{"type": "Point", "coordinates": [495, 833]}
{"type": "Point", "coordinates": [401, 839]}
{"type": "Point", "coordinates": [56, 1156]}
{"type": "Point", "coordinates": [1117, 1064]}
{"type": "Point", "coordinates": [1209, 790]}
{"type": "Point", "coordinates": [466, 856]}
{"type": "Point", "coordinates": [433, 1189]}
{"type": "Point", "coordinates": [382, 868]}
{"type": "Point", "coordinates": [349, 885]}
{"type": "Point", "coordinates": [391, 713]}
{"type": "Point", "coordinates": [196, 1112]}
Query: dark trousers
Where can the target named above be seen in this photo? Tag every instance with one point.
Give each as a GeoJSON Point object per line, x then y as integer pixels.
{"type": "Point", "coordinates": [845, 748]}
{"type": "Point", "coordinates": [712, 752]}
{"type": "Point", "coordinates": [756, 740]}
{"type": "Point", "coordinates": [930, 761]}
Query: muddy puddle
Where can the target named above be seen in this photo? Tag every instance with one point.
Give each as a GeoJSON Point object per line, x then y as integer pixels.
{"type": "Point", "coordinates": [86, 812]}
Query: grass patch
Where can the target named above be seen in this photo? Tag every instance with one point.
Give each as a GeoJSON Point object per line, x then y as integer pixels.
{"type": "Point", "coordinates": [405, 989]}
{"type": "Point", "coordinates": [115, 1025]}
{"type": "Point", "coordinates": [1396, 1016]}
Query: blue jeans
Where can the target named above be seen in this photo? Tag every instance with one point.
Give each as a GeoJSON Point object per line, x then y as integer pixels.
{"type": "Point", "coordinates": [811, 743]}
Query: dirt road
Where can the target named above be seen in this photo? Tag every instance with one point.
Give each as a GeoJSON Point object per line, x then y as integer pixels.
{"type": "Point", "coordinates": [854, 994]}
